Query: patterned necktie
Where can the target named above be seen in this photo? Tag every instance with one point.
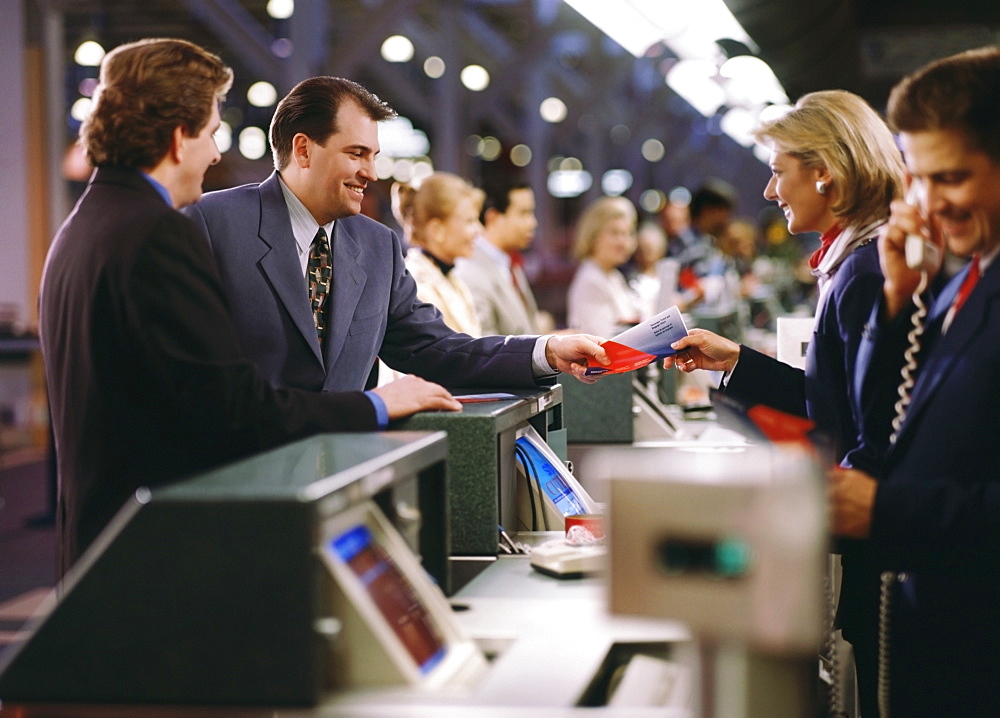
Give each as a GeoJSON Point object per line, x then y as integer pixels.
{"type": "Point", "coordinates": [318, 275]}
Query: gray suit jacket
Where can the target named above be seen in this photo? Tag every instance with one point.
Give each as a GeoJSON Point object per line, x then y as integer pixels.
{"type": "Point", "coordinates": [374, 310]}
{"type": "Point", "coordinates": [500, 307]}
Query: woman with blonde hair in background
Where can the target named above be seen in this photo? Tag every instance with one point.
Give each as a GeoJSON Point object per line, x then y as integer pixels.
{"type": "Point", "coordinates": [600, 300]}
{"type": "Point", "coordinates": [442, 217]}
{"type": "Point", "coordinates": [835, 169]}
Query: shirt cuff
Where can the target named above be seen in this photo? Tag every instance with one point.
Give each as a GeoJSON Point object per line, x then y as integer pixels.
{"type": "Point", "coordinates": [727, 375]}
{"type": "Point", "coordinates": [539, 364]}
{"type": "Point", "coordinates": [381, 412]}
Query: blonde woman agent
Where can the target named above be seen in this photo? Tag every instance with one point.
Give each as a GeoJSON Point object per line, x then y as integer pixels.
{"type": "Point", "coordinates": [835, 168]}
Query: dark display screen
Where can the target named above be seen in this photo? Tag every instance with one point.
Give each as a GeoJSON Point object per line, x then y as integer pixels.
{"type": "Point", "coordinates": [392, 593]}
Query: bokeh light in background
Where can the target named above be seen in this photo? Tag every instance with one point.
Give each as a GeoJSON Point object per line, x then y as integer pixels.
{"type": "Point", "coordinates": [616, 182]}
{"type": "Point", "coordinates": [652, 200]}
{"type": "Point", "coordinates": [281, 9]}
{"type": "Point", "coordinates": [253, 143]}
{"type": "Point", "coordinates": [653, 150]}
{"type": "Point", "coordinates": [397, 48]}
{"type": "Point", "coordinates": [434, 67]}
{"type": "Point", "coordinates": [552, 110]}
{"type": "Point", "coordinates": [223, 137]}
{"type": "Point", "coordinates": [89, 54]}
{"type": "Point", "coordinates": [520, 155]}
{"type": "Point", "coordinates": [475, 78]}
{"type": "Point", "coordinates": [262, 94]}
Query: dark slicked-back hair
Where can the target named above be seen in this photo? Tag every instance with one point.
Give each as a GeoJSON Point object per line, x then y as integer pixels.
{"type": "Point", "coordinates": [958, 92]}
{"type": "Point", "coordinates": [311, 108]}
{"type": "Point", "coordinates": [497, 193]}
{"type": "Point", "coordinates": [147, 89]}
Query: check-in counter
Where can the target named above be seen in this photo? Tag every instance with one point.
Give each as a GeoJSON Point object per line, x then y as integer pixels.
{"type": "Point", "coordinates": [553, 650]}
{"type": "Point", "coordinates": [625, 408]}
{"type": "Point", "coordinates": [481, 469]}
{"type": "Point", "coordinates": [211, 590]}
{"type": "Point", "coordinates": [546, 646]}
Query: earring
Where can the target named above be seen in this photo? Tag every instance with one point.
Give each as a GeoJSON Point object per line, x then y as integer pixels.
{"type": "Point", "coordinates": [821, 187]}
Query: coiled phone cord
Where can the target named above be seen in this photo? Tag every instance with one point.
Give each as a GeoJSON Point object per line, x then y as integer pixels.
{"type": "Point", "coordinates": [835, 705]}
{"type": "Point", "coordinates": [910, 355]}
{"type": "Point", "coordinates": [888, 579]}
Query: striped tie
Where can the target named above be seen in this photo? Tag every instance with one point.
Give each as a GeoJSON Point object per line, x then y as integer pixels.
{"type": "Point", "coordinates": [319, 273]}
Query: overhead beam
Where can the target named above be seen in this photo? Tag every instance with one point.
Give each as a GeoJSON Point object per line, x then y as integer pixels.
{"type": "Point", "coordinates": [242, 34]}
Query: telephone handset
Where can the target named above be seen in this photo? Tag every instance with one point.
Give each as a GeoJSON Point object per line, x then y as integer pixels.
{"type": "Point", "coordinates": [920, 253]}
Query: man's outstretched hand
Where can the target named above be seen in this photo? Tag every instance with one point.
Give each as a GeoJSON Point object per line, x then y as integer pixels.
{"type": "Point", "coordinates": [568, 353]}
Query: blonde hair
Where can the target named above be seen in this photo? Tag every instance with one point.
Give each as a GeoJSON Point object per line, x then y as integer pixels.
{"type": "Point", "coordinates": [595, 217]}
{"type": "Point", "coordinates": [436, 197]}
{"type": "Point", "coordinates": [838, 130]}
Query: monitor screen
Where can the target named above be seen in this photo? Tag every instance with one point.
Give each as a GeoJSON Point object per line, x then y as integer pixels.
{"type": "Point", "coordinates": [550, 478]}
{"type": "Point", "coordinates": [392, 593]}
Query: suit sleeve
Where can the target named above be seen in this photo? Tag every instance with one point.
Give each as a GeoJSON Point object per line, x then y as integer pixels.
{"type": "Point", "coordinates": [417, 341]}
{"type": "Point", "coordinates": [760, 379]}
{"type": "Point", "coordinates": [188, 343]}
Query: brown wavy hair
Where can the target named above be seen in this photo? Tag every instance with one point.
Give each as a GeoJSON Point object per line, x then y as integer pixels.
{"type": "Point", "coordinates": [147, 89]}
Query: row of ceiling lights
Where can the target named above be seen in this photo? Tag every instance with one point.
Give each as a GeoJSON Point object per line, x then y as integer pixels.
{"type": "Point", "coordinates": [405, 148]}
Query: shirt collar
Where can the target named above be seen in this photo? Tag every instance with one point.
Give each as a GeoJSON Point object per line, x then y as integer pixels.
{"type": "Point", "coordinates": [304, 226]}
{"type": "Point", "coordinates": [160, 189]}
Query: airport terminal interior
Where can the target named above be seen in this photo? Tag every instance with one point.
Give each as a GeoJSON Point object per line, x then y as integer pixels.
{"type": "Point", "coordinates": [643, 545]}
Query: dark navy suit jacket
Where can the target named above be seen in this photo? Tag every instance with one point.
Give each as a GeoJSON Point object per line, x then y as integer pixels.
{"type": "Point", "coordinates": [145, 375]}
{"type": "Point", "coordinates": [937, 507]}
{"type": "Point", "coordinates": [824, 391]}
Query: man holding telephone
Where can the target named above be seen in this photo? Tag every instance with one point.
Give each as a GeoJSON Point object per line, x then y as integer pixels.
{"type": "Point", "coordinates": [932, 515]}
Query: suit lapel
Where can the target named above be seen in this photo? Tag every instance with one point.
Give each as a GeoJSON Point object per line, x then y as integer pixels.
{"type": "Point", "coordinates": [968, 323]}
{"type": "Point", "coordinates": [349, 279]}
{"type": "Point", "coordinates": [280, 261]}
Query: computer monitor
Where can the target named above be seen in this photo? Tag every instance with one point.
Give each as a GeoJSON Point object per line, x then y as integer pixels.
{"type": "Point", "coordinates": [397, 626]}
{"type": "Point", "coordinates": [547, 491]}
{"type": "Point", "coordinates": [214, 590]}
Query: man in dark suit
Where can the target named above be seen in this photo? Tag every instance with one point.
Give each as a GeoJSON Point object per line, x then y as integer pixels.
{"type": "Point", "coordinates": [324, 137]}
{"type": "Point", "coordinates": [932, 515]}
{"type": "Point", "coordinates": [147, 382]}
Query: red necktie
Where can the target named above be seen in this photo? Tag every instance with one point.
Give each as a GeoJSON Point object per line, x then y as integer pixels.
{"type": "Point", "coordinates": [964, 291]}
{"type": "Point", "coordinates": [516, 263]}
{"type": "Point", "coordinates": [970, 281]}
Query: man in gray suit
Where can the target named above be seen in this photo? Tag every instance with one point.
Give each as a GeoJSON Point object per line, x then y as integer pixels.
{"type": "Point", "coordinates": [499, 286]}
{"type": "Point", "coordinates": [268, 238]}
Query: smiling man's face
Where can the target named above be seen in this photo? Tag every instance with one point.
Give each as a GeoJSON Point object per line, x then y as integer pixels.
{"type": "Point", "coordinates": [337, 172]}
{"type": "Point", "coordinates": [961, 181]}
